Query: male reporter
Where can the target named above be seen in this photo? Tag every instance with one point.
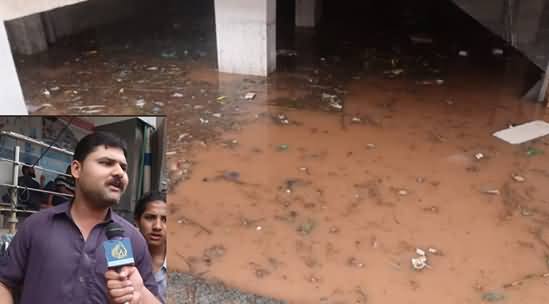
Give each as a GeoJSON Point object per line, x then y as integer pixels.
{"type": "Point", "coordinates": [57, 256]}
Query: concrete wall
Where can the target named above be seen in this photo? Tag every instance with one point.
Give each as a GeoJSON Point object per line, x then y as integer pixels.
{"type": "Point", "coordinates": [76, 18]}
{"type": "Point", "coordinates": [491, 13]}
{"type": "Point", "coordinates": [488, 12]}
{"type": "Point", "coordinates": [12, 9]}
{"type": "Point", "coordinates": [11, 95]}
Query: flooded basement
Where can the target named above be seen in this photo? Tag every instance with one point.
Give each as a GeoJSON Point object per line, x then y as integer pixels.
{"type": "Point", "coordinates": [321, 183]}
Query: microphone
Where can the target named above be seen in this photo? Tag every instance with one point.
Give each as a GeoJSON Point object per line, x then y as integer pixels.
{"type": "Point", "coordinates": [118, 249]}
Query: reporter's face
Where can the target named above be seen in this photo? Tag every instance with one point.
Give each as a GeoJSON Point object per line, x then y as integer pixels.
{"type": "Point", "coordinates": [101, 177]}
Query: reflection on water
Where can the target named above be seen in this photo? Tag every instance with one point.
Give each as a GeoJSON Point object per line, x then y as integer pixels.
{"type": "Point", "coordinates": [360, 149]}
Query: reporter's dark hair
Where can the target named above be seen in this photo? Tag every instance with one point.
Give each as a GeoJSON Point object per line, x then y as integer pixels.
{"type": "Point", "coordinates": [91, 141]}
{"type": "Point", "coordinates": [147, 199]}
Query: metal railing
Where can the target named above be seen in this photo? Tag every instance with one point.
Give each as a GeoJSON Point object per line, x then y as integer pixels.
{"type": "Point", "coordinates": [14, 187]}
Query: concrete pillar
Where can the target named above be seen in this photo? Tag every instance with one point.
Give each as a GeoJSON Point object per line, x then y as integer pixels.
{"type": "Point", "coordinates": [307, 12]}
{"type": "Point", "coordinates": [28, 35]}
{"type": "Point", "coordinates": [49, 27]}
{"type": "Point", "coordinates": [246, 36]}
{"type": "Point", "coordinates": [11, 96]}
{"type": "Point", "coordinates": [528, 20]}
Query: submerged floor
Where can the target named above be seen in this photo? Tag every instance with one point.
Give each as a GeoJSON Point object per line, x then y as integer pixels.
{"type": "Point", "coordinates": [349, 158]}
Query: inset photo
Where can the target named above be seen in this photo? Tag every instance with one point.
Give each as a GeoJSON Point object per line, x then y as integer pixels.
{"type": "Point", "coordinates": [83, 208]}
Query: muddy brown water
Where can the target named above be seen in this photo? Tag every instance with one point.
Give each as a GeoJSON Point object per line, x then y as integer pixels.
{"type": "Point", "coordinates": [291, 197]}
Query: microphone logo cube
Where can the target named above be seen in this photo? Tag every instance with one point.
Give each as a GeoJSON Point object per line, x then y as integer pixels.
{"type": "Point", "coordinates": [118, 252]}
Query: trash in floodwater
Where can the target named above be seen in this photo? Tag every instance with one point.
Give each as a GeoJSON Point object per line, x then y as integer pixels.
{"type": "Point", "coordinates": [395, 72]}
{"type": "Point", "coordinates": [497, 52]}
{"type": "Point", "coordinates": [518, 178]}
{"type": "Point", "coordinates": [420, 39]}
{"type": "Point", "coordinates": [290, 53]}
{"type": "Point", "coordinates": [283, 119]}
{"type": "Point", "coordinates": [332, 100]}
{"type": "Point", "coordinates": [233, 176]}
{"type": "Point", "coordinates": [168, 54]}
{"type": "Point", "coordinates": [524, 132]}
{"type": "Point", "coordinates": [33, 108]}
{"type": "Point", "coordinates": [203, 121]}
{"type": "Point", "coordinates": [463, 53]}
{"type": "Point", "coordinates": [328, 97]}
{"type": "Point", "coordinates": [532, 151]}
{"type": "Point", "coordinates": [46, 93]}
{"type": "Point", "coordinates": [336, 105]}
{"type": "Point", "coordinates": [491, 191]}
{"type": "Point", "coordinates": [307, 227]}
{"type": "Point", "coordinates": [177, 95]}
{"type": "Point", "coordinates": [249, 96]}
{"type": "Point", "coordinates": [479, 156]}
{"type": "Point", "coordinates": [140, 103]}
{"type": "Point", "coordinates": [216, 115]}
{"type": "Point", "coordinates": [89, 53]}
{"type": "Point", "coordinates": [356, 120]}
{"type": "Point", "coordinates": [55, 89]}
{"type": "Point", "coordinates": [419, 263]}
{"type": "Point", "coordinates": [283, 147]}
{"type": "Point", "coordinates": [493, 296]}
{"type": "Point", "coordinates": [152, 68]}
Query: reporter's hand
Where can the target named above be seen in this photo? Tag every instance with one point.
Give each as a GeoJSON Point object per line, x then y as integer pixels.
{"type": "Point", "coordinates": [124, 287]}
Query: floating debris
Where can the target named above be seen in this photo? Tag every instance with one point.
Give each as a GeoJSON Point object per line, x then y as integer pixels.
{"type": "Point", "coordinates": [419, 263]}
{"type": "Point", "coordinates": [403, 192]}
{"type": "Point", "coordinates": [463, 53]}
{"type": "Point", "coordinates": [168, 54]}
{"type": "Point", "coordinates": [283, 119]}
{"type": "Point", "coordinates": [140, 103]}
{"type": "Point", "coordinates": [203, 121]}
{"type": "Point", "coordinates": [217, 115]}
{"type": "Point", "coordinates": [479, 156]}
{"type": "Point", "coordinates": [152, 68]}
{"type": "Point", "coordinates": [493, 296]}
{"type": "Point", "coordinates": [525, 212]}
{"type": "Point", "coordinates": [370, 146]}
{"type": "Point", "coordinates": [250, 96]}
{"type": "Point", "coordinates": [491, 191]}
{"type": "Point", "coordinates": [356, 120]}
{"type": "Point", "coordinates": [353, 262]}
{"type": "Point", "coordinates": [518, 178]}
{"type": "Point", "coordinates": [307, 227]}
{"type": "Point", "coordinates": [283, 147]}
{"type": "Point", "coordinates": [55, 89]}
{"type": "Point", "coordinates": [419, 39]}
{"type": "Point", "coordinates": [177, 95]}
{"type": "Point", "coordinates": [232, 176]}
{"type": "Point", "coordinates": [395, 72]}
{"type": "Point", "coordinates": [89, 53]}
{"type": "Point", "coordinates": [532, 151]}
{"type": "Point", "coordinates": [332, 100]}
{"type": "Point", "coordinates": [336, 105]}
{"type": "Point", "coordinates": [497, 52]}
{"type": "Point", "coordinates": [283, 52]}
{"type": "Point", "coordinates": [46, 93]}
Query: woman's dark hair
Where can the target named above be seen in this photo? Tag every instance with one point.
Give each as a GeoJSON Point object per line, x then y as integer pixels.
{"type": "Point", "coordinates": [147, 199]}
{"type": "Point", "coordinates": [91, 141]}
